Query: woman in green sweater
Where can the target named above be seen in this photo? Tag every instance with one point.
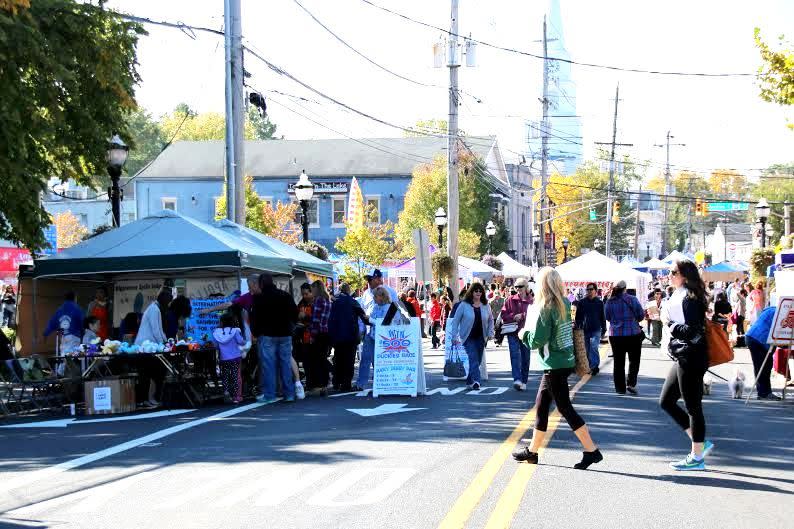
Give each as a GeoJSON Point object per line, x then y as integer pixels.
{"type": "Point", "coordinates": [548, 329]}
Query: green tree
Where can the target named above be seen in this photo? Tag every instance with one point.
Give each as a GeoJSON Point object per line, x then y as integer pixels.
{"type": "Point", "coordinates": [776, 185]}
{"type": "Point", "coordinates": [67, 75]}
{"type": "Point", "coordinates": [263, 128]}
{"type": "Point", "coordinates": [147, 136]}
{"type": "Point", "coordinates": [364, 246]}
{"type": "Point", "coordinates": [184, 123]}
{"type": "Point", "coordinates": [428, 191]}
{"type": "Point", "coordinates": [254, 208]}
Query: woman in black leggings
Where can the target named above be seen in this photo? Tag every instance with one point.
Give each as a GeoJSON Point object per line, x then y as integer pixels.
{"type": "Point", "coordinates": [548, 327]}
{"type": "Point", "coordinates": [685, 315]}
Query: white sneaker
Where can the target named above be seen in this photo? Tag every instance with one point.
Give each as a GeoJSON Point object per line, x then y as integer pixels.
{"type": "Point", "coordinates": [523, 387]}
{"type": "Point", "coordinates": [300, 393]}
{"type": "Point", "coordinates": [517, 385]}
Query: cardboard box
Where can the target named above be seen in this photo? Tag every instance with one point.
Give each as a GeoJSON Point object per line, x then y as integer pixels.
{"type": "Point", "coordinates": [109, 395]}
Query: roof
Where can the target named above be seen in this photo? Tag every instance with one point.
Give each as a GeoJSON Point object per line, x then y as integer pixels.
{"type": "Point", "coordinates": [738, 232]}
{"type": "Point", "coordinates": [167, 242]}
{"type": "Point", "coordinates": [319, 158]}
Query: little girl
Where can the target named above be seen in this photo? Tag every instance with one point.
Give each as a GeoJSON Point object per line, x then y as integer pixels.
{"type": "Point", "coordinates": [92, 325]}
{"type": "Point", "coordinates": [228, 339]}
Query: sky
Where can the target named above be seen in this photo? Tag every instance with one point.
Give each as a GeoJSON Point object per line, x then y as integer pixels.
{"type": "Point", "coordinates": [722, 121]}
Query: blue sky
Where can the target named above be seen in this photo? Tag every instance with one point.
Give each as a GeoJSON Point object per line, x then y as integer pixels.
{"type": "Point", "coordinates": [722, 121]}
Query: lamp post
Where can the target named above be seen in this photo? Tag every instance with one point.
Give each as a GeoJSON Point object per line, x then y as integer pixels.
{"type": "Point", "coordinates": [536, 242]}
{"type": "Point", "coordinates": [116, 158]}
{"type": "Point", "coordinates": [441, 221]}
{"type": "Point", "coordinates": [490, 231]}
{"type": "Point", "coordinates": [597, 244]}
{"type": "Point", "coordinates": [762, 212]}
{"type": "Point", "coordinates": [565, 243]}
{"type": "Point", "coordinates": [647, 251]}
{"type": "Point", "coordinates": [304, 190]}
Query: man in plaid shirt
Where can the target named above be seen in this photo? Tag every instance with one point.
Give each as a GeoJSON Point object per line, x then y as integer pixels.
{"type": "Point", "coordinates": [624, 312]}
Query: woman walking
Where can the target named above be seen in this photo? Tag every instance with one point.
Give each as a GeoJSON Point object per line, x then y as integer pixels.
{"type": "Point", "coordinates": [624, 313]}
{"type": "Point", "coordinates": [317, 366]}
{"type": "Point", "coordinates": [685, 316]}
{"type": "Point", "coordinates": [472, 323]}
{"type": "Point", "coordinates": [549, 329]}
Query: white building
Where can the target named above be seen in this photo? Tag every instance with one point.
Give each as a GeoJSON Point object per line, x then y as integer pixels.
{"type": "Point", "coordinates": [91, 208]}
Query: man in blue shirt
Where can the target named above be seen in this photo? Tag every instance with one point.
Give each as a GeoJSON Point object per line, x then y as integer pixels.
{"type": "Point", "coordinates": [590, 318]}
{"type": "Point", "coordinates": [755, 339]}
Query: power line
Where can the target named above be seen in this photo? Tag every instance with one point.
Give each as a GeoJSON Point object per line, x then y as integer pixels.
{"type": "Point", "coordinates": [558, 59]}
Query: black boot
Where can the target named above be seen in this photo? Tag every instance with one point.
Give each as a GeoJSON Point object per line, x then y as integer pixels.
{"type": "Point", "coordinates": [588, 458]}
{"type": "Point", "coordinates": [523, 454]}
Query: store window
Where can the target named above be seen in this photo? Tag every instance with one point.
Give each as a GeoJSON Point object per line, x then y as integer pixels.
{"type": "Point", "coordinates": [169, 203]}
{"type": "Point", "coordinates": [372, 209]}
{"type": "Point", "coordinates": [314, 204]}
{"type": "Point", "coordinates": [339, 212]}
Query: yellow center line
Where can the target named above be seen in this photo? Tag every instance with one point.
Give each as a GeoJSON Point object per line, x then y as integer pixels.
{"type": "Point", "coordinates": [457, 517]}
{"type": "Point", "coordinates": [507, 506]}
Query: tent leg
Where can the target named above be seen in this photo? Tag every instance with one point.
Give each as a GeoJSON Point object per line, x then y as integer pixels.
{"type": "Point", "coordinates": [35, 318]}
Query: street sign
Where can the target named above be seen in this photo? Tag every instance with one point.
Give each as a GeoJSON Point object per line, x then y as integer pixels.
{"type": "Point", "coordinates": [424, 273]}
{"type": "Point", "coordinates": [51, 236]}
{"type": "Point", "coordinates": [727, 206]}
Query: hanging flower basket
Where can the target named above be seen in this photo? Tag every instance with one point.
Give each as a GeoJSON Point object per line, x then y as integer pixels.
{"type": "Point", "coordinates": [442, 265]}
{"type": "Point", "coordinates": [492, 261]}
{"type": "Point", "coordinates": [313, 248]}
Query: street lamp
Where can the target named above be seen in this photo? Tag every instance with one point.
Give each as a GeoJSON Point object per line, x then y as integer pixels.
{"type": "Point", "coordinates": [441, 221]}
{"type": "Point", "coordinates": [536, 241]}
{"type": "Point", "coordinates": [597, 244]}
{"type": "Point", "coordinates": [762, 212]}
{"type": "Point", "coordinates": [304, 190]}
{"type": "Point", "coordinates": [490, 231]}
{"type": "Point", "coordinates": [116, 158]}
{"type": "Point", "coordinates": [565, 243]}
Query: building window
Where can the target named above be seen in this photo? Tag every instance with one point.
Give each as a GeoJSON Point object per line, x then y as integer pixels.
{"type": "Point", "coordinates": [83, 218]}
{"type": "Point", "coordinates": [169, 203]}
{"type": "Point", "coordinates": [372, 207]}
{"type": "Point", "coordinates": [314, 204]}
{"type": "Point", "coordinates": [339, 213]}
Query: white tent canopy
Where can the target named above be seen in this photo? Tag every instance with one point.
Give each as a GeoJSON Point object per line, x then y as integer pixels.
{"type": "Point", "coordinates": [655, 264]}
{"type": "Point", "coordinates": [675, 255]}
{"type": "Point", "coordinates": [513, 269]}
{"type": "Point", "coordinates": [600, 269]}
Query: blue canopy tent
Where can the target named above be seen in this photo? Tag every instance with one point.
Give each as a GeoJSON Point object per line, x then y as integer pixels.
{"type": "Point", "coordinates": [724, 271]}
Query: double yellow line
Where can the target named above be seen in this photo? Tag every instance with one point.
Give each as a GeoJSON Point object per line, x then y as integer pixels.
{"type": "Point", "coordinates": [505, 509]}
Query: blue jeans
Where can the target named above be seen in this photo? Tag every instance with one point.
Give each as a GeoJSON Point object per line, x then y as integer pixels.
{"type": "Point", "coordinates": [592, 341]}
{"type": "Point", "coordinates": [519, 358]}
{"type": "Point", "coordinates": [474, 349]}
{"type": "Point", "coordinates": [367, 356]}
{"type": "Point", "coordinates": [275, 356]}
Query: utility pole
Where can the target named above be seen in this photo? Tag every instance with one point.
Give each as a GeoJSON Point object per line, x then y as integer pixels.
{"type": "Point", "coordinates": [544, 153]}
{"type": "Point", "coordinates": [667, 189]}
{"type": "Point", "coordinates": [611, 187]}
{"type": "Point", "coordinates": [786, 218]}
{"type": "Point", "coordinates": [235, 112]}
{"type": "Point", "coordinates": [453, 194]}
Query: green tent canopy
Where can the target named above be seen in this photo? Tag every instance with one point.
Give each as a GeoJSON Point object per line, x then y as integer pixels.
{"type": "Point", "coordinates": [166, 243]}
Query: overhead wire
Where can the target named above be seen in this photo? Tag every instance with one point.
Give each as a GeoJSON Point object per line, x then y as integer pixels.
{"type": "Point", "coordinates": [557, 59]}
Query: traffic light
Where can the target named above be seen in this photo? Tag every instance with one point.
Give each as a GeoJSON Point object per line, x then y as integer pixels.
{"type": "Point", "coordinates": [616, 212]}
{"type": "Point", "coordinates": [592, 214]}
{"type": "Point", "coordinates": [698, 208]}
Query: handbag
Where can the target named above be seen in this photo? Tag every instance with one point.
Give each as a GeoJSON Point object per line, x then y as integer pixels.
{"type": "Point", "coordinates": [453, 364]}
{"type": "Point", "coordinates": [580, 352]}
{"type": "Point", "coordinates": [718, 346]}
{"type": "Point", "coordinates": [508, 328]}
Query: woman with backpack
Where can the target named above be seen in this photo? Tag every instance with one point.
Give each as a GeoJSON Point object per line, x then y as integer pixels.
{"type": "Point", "coordinates": [549, 329]}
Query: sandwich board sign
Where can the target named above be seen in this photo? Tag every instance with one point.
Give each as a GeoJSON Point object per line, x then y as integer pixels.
{"type": "Point", "coordinates": [782, 330]}
{"type": "Point", "coordinates": [399, 365]}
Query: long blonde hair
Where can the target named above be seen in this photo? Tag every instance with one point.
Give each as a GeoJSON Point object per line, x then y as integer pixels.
{"type": "Point", "coordinates": [320, 291]}
{"type": "Point", "coordinates": [551, 292]}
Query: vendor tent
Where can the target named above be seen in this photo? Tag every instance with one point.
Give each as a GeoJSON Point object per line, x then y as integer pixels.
{"type": "Point", "coordinates": [655, 264]}
{"type": "Point", "coordinates": [675, 255]}
{"type": "Point", "coordinates": [600, 269]}
{"type": "Point", "coordinates": [162, 243]}
{"type": "Point", "coordinates": [631, 261]}
{"type": "Point", "coordinates": [724, 271]}
{"type": "Point", "coordinates": [468, 269]}
{"type": "Point", "coordinates": [513, 269]}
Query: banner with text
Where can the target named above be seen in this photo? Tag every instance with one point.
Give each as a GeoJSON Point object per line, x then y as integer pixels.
{"type": "Point", "coordinates": [199, 326]}
{"type": "Point", "coordinates": [399, 366]}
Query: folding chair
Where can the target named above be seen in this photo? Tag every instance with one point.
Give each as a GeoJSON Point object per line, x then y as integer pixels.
{"type": "Point", "coordinates": [16, 378]}
{"type": "Point", "coordinates": [6, 391]}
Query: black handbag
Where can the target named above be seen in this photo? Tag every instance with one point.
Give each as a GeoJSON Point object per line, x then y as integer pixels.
{"type": "Point", "coordinates": [453, 367]}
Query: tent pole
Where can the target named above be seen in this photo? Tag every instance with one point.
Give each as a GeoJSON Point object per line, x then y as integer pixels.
{"type": "Point", "coordinates": [35, 318]}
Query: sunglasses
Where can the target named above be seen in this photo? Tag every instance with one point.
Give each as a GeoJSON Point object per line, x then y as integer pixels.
{"type": "Point", "coordinates": [674, 272]}
{"type": "Point", "coordinates": [521, 286]}
{"type": "Point", "coordinates": [590, 289]}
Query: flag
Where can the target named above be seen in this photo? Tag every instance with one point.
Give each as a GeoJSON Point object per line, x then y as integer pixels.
{"type": "Point", "coordinates": [355, 206]}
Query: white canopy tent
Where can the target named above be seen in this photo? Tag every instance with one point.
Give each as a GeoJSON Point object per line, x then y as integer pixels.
{"type": "Point", "coordinates": [656, 264]}
{"type": "Point", "coordinates": [597, 268]}
{"type": "Point", "coordinates": [675, 255]}
{"type": "Point", "coordinates": [513, 269]}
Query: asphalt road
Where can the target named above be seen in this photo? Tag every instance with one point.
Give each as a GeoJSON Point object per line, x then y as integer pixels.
{"type": "Point", "coordinates": [443, 463]}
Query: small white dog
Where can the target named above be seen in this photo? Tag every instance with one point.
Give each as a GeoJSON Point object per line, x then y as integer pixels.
{"type": "Point", "coordinates": [708, 380]}
{"type": "Point", "coordinates": [736, 385]}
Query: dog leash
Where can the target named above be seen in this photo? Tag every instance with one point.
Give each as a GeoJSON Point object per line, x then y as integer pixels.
{"type": "Point", "coordinates": [716, 375]}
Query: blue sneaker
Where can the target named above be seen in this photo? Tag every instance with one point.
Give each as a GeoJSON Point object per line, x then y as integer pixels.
{"type": "Point", "coordinates": [689, 463]}
{"type": "Point", "coordinates": [708, 446]}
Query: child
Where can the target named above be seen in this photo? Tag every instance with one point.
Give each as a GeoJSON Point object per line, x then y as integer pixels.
{"type": "Point", "coordinates": [228, 339]}
{"type": "Point", "coordinates": [92, 325]}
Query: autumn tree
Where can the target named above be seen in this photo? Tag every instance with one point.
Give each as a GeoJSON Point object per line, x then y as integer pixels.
{"type": "Point", "coordinates": [279, 221]}
{"type": "Point", "coordinates": [365, 246]}
{"type": "Point", "coordinates": [185, 123]}
{"type": "Point", "coordinates": [67, 75]}
{"type": "Point", "coordinates": [428, 191]}
{"type": "Point", "coordinates": [776, 74]}
{"type": "Point", "coordinates": [70, 230]}
{"type": "Point", "coordinates": [728, 184]}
